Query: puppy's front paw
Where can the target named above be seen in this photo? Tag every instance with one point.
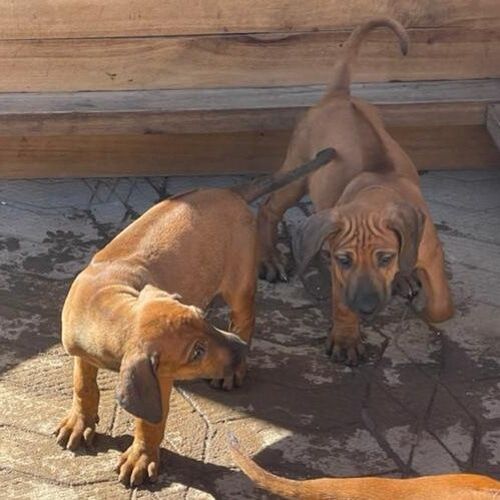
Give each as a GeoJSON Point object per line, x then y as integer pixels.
{"type": "Point", "coordinates": [274, 268]}
{"type": "Point", "coordinates": [407, 287]}
{"type": "Point", "coordinates": [75, 428]}
{"type": "Point", "coordinates": [345, 347]}
{"type": "Point", "coordinates": [138, 463]}
{"type": "Point", "coordinates": [231, 381]}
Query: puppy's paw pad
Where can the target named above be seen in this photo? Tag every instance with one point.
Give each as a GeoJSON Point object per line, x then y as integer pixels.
{"type": "Point", "coordinates": [351, 354]}
{"type": "Point", "coordinates": [228, 383]}
{"type": "Point", "coordinates": [231, 381]}
{"type": "Point", "coordinates": [76, 429]}
{"type": "Point", "coordinates": [137, 464]}
{"type": "Point", "coordinates": [274, 269]}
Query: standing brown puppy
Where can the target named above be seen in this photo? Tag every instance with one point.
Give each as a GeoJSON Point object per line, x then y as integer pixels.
{"type": "Point", "coordinates": [369, 209]}
{"type": "Point", "coordinates": [123, 312]}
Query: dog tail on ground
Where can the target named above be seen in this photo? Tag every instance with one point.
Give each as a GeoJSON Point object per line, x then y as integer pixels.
{"type": "Point", "coordinates": [342, 69]}
{"type": "Point", "coordinates": [286, 488]}
{"type": "Point", "coordinates": [442, 487]}
{"type": "Point", "coordinates": [261, 186]}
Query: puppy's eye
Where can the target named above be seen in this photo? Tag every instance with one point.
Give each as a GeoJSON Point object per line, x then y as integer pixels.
{"type": "Point", "coordinates": [197, 353]}
{"type": "Point", "coordinates": [384, 259]}
{"type": "Point", "coordinates": [344, 260]}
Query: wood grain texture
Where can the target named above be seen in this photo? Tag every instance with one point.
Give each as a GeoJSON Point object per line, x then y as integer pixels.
{"type": "Point", "coordinates": [66, 156]}
{"type": "Point", "coordinates": [61, 156]}
{"type": "Point", "coordinates": [25, 19]}
{"type": "Point", "coordinates": [440, 103]}
{"type": "Point", "coordinates": [461, 147]}
{"type": "Point", "coordinates": [240, 60]}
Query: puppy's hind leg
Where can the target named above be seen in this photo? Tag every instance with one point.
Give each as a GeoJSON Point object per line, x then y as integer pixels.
{"type": "Point", "coordinates": [242, 314]}
{"type": "Point", "coordinates": [81, 420]}
{"type": "Point", "coordinates": [431, 273]}
{"type": "Point", "coordinates": [242, 305]}
{"type": "Point", "coordinates": [239, 289]}
{"type": "Point", "coordinates": [271, 211]}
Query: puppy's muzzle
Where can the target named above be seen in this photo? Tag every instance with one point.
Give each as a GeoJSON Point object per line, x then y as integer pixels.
{"type": "Point", "coordinates": [366, 299]}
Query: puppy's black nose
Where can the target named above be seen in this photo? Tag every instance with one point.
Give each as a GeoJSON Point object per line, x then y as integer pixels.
{"type": "Point", "coordinates": [368, 304]}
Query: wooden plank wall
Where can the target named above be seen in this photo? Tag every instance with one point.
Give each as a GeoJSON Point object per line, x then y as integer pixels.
{"type": "Point", "coordinates": [222, 153]}
{"type": "Point", "coordinates": [75, 45]}
{"type": "Point", "coordinates": [240, 60]}
{"type": "Point", "coordinates": [147, 18]}
{"type": "Point", "coordinates": [54, 45]}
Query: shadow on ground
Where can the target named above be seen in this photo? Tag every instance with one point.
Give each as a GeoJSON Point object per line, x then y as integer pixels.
{"type": "Point", "coordinates": [427, 400]}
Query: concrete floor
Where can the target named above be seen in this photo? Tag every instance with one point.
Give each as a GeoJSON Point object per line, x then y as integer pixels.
{"type": "Point", "coordinates": [427, 401]}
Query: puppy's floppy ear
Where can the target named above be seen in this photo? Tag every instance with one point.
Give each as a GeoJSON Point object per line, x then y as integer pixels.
{"type": "Point", "coordinates": [309, 237]}
{"type": "Point", "coordinates": [408, 222]}
{"type": "Point", "coordinates": [138, 390]}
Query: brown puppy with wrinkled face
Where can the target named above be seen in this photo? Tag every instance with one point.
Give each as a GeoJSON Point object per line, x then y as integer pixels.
{"type": "Point", "coordinates": [119, 315]}
{"type": "Point", "coordinates": [440, 487]}
{"type": "Point", "coordinates": [369, 209]}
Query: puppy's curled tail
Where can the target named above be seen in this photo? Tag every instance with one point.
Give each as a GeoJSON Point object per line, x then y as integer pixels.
{"type": "Point", "coordinates": [286, 488]}
{"type": "Point", "coordinates": [263, 185]}
{"type": "Point", "coordinates": [342, 69]}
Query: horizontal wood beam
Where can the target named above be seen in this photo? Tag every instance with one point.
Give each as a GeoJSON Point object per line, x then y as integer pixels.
{"type": "Point", "coordinates": [241, 60]}
{"type": "Point", "coordinates": [244, 152]}
{"type": "Point", "coordinates": [33, 19]}
{"type": "Point", "coordinates": [448, 103]}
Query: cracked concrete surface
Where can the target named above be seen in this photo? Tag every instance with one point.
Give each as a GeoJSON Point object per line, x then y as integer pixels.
{"type": "Point", "coordinates": [427, 401]}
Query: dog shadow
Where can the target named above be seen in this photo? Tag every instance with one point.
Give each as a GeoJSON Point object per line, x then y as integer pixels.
{"type": "Point", "coordinates": [289, 457]}
{"type": "Point", "coordinates": [219, 481]}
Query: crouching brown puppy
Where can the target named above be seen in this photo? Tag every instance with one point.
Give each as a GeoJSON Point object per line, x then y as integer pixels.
{"type": "Point", "coordinates": [123, 313]}
{"type": "Point", "coordinates": [369, 209]}
{"type": "Point", "coordinates": [439, 487]}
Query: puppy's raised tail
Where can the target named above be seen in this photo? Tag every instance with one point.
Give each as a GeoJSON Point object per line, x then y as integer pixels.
{"type": "Point", "coordinates": [264, 185]}
{"type": "Point", "coordinates": [286, 488]}
{"type": "Point", "coordinates": [342, 69]}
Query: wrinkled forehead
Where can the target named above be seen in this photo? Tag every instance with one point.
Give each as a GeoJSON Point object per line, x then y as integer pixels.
{"type": "Point", "coordinates": [362, 232]}
{"type": "Point", "coordinates": [173, 340]}
{"type": "Point", "coordinates": [159, 320]}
